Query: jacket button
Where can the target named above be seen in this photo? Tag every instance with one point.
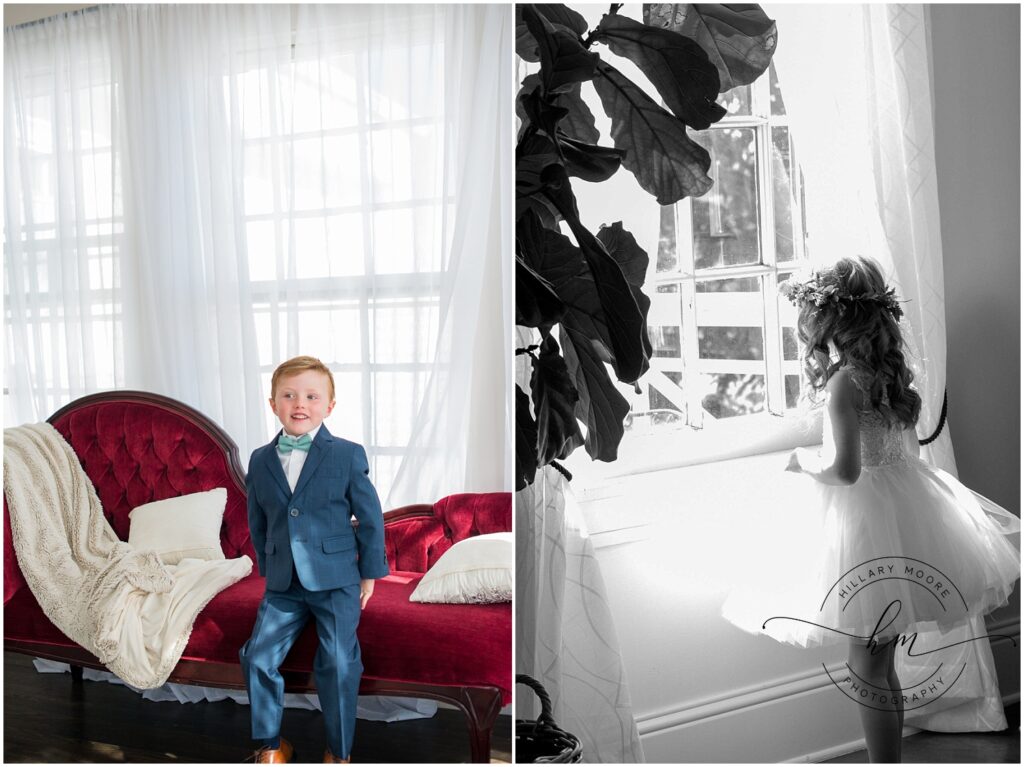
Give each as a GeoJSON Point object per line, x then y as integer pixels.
{"type": "Point", "coordinates": [295, 512]}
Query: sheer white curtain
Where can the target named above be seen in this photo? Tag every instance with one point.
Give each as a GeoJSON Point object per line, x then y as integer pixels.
{"type": "Point", "coordinates": [195, 193]}
{"type": "Point", "coordinates": [856, 83]}
{"type": "Point", "coordinates": [565, 631]}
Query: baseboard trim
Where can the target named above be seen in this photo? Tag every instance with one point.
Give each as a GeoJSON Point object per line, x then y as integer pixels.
{"type": "Point", "coordinates": [768, 692]}
{"type": "Point", "coordinates": [698, 730]}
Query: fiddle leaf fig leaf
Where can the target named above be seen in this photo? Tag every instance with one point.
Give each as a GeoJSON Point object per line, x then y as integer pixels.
{"type": "Point", "coordinates": [624, 321]}
{"type": "Point", "coordinates": [526, 441]}
{"type": "Point", "coordinates": [526, 45]}
{"type": "Point", "coordinates": [601, 406]}
{"type": "Point", "coordinates": [541, 113]}
{"type": "Point", "coordinates": [665, 161]}
{"type": "Point", "coordinates": [576, 123]}
{"type": "Point", "coordinates": [676, 65]}
{"type": "Point", "coordinates": [549, 253]}
{"type": "Point", "coordinates": [558, 15]}
{"type": "Point", "coordinates": [536, 158]}
{"type": "Point", "coordinates": [589, 162]}
{"type": "Point", "coordinates": [633, 260]}
{"type": "Point", "coordinates": [579, 122]}
{"type": "Point", "coordinates": [563, 16]}
{"type": "Point", "coordinates": [739, 39]}
{"type": "Point", "coordinates": [554, 400]}
{"type": "Point", "coordinates": [537, 304]}
{"type": "Point", "coordinates": [563, 57]}
{"type": "Point", "coordinates": [560, 263]}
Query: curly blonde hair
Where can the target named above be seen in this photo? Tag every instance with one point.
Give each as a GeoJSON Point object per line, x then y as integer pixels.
{"type": "Point", "coordinates": [297, 365]}
{"type": "Point", "coordinates": [866, 336]}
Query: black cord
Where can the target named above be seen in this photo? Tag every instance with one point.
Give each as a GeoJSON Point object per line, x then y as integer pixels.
{"type": "Point", "coordinates": [561, 470]}
{"type": "Point", "coordinates": [938, 429]}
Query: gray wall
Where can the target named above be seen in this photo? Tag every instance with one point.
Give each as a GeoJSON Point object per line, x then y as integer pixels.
{"type": "Point", "coordinates": [976, 62]}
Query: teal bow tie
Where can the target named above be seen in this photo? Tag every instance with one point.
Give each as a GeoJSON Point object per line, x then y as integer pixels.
{"type": "Point", "coordinates": [286, 444]}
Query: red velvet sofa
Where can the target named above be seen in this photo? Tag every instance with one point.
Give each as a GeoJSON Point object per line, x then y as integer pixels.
{"type": "Point", "coordinates": [138, 447]}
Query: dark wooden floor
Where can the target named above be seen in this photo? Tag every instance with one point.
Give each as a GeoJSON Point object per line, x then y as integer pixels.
{"type": "Point", "coordinates": [49, 719]}
{"type": "Point", "coordinates": [949, 748]}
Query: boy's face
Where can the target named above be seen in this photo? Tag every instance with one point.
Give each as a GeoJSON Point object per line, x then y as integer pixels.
{"type": "Point", "coordinates": [302, 402]}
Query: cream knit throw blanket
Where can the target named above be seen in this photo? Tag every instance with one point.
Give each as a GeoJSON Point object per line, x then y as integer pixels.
{"type": "Point", "coordinates": [124, 606]}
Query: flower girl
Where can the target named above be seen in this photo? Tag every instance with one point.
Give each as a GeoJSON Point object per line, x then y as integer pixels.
{"type": "Point", "coordinates": [898, 546]}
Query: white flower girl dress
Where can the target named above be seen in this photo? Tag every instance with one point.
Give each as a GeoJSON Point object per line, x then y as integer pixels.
{"type": "Point", "coordinates": [906, 548]}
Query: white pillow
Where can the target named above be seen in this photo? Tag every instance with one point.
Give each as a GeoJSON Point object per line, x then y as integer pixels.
{"type": "Point", "coordinates": [186, 527]}
{"type": "Point", "coordinates": [476, 570]}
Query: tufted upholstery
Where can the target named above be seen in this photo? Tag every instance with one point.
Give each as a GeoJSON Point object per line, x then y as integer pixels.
{"type": "Point", "coordinates": [137, 452]}
{"type": "Point", "coordinates": [138, 447]}
{"type": "Point", "coordinates": [415, 543]}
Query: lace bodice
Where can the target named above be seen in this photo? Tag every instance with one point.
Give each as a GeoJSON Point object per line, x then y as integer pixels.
{"type": "Point", "coordinates": [881, 444]}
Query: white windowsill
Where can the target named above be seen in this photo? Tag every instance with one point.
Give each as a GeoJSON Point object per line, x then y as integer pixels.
{"type": "Point", "coordinates": [637, 507]}
{"type": "Point", "coordinates": [664, 449]}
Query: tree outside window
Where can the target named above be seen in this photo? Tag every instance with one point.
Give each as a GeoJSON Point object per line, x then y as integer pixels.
{"type": "Point", "coordinates": [724, 343]}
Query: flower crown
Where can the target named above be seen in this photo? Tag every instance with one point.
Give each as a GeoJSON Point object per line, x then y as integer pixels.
{"type": "Point", "coordinates": [813, 291]}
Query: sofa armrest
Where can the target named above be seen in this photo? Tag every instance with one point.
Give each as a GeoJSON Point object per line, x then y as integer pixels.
{"type": "Point", "coordinates": [414, 538]}
{"type": "Point", "coordinates": [13, 579]}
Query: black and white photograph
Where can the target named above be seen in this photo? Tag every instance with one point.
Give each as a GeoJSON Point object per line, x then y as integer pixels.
{"type": "Point", "coordinates": [258, 346]}
{"type": "Point", "coordinates": [767, 383]}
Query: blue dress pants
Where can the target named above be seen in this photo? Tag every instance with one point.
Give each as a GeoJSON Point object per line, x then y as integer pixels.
{"type": "Point", "coordinates": [337, 666]}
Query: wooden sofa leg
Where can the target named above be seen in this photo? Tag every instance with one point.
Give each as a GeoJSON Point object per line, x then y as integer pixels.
{"type": "Point", "coordinates": [76, 674]}
{"type": "Point", "coordinates": [482, 707]}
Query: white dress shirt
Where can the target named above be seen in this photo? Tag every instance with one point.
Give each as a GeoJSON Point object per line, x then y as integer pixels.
{"type": "Point", "coordinates": [292, 462]}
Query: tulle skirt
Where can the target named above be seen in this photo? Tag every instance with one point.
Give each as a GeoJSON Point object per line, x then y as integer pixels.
{"type": "Point", "coordinates": [906, 548]}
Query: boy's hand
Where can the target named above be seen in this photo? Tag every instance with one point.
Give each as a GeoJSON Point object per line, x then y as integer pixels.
{"type": "Point", "coordinates": [365, 592]}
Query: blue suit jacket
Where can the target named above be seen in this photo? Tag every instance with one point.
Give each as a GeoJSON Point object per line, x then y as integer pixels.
{"type": "Point", "coordinates": [311, 527]}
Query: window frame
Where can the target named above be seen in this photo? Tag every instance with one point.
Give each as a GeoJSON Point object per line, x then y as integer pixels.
{"type": "Point", "coordinates": [698, 439]}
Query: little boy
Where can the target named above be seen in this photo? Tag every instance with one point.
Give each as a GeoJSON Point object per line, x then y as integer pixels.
{"type": "Point", "coordinates": [303, 488]}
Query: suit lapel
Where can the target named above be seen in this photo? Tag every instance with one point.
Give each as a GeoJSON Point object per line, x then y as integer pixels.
{"type": "Point", "coordinates": [317, 451]}
{"type": "Point", "coordinates": [272, 463]}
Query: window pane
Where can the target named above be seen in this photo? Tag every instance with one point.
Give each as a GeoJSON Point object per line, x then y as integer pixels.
{"type": "Point", "coordinates": [731, 343]}
{"type": "Point", "coordinates": [778, 105]}
{"type": "Point", "coordinates": [782, 195]}
{"type": "Point", "coordinates": [733, 394]}
{"type": "Point", "coordinates": [788, 315]}
{"type": "Point", "coordinates": [668, 247]}
{"type": "Point", "coordinates": [261, 245]}
{"type": "Point", "coordinates": [790, 347]}
{"type": "Point", "coordinates": [725, 220]}
{"type": "Point", "coordinates": [402, 330]}
{"type": "Point", "coordinates": [346, 420]}
{"type": "Point", "coordinates": [792, 390]}
{"type": "Point", "coordinates": [730, 338]}
{"type": "Point", "coordinates": [665, 340]}
{"type": "Point", "coordinates": [736, 101]}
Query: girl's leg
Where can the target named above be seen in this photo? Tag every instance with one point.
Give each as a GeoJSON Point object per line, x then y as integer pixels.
{"type": "Point", "coordinates": [882, 724]}
{"type": "Point", "coordinates": [894, 685]}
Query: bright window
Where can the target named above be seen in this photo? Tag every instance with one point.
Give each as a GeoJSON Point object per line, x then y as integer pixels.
{"type": "Point", "coordinates": [345, 216]}
{"type": "Point", "coordinates": [724, 343]}
{"type": "Point", "coordinates": [339, 160]}
{"type": "Point", "coordinates": [725, 355]}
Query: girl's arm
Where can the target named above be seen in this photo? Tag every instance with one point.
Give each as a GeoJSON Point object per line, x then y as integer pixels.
{"type": "Point", "coordinates": [841, 399]}
{"type": "Point", "coordinates": [910, 443]}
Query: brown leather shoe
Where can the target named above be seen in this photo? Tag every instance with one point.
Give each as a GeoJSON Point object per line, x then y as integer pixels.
{"type": "Point", "coordinates": [330, 758]}
{"type": "Point", "coordinates": [280, 755]}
